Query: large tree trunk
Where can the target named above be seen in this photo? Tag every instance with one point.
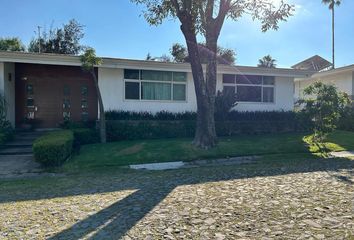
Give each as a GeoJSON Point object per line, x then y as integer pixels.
{"type": "Point", "coordinates": [102, 119]}
{"type": "Point", "coordinates": [205, 136]}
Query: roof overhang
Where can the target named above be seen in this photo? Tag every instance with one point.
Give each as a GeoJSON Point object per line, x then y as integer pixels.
{"type": "Point", "coordinates": [69, 60]}
{"type": "Point", "coordinates": [346, 69]}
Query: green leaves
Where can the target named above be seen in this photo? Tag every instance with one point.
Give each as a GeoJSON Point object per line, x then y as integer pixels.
{"type": "Point", "coordinates": [332, 3]}
{"type": "Point", "coordinates": [89, 59]}
{"type": "Point", "coordinates": [11, 44]}
{"type": "Point", "coordinates": [265, 11]}
{"type": "Point", "coordinates": [324, 105]}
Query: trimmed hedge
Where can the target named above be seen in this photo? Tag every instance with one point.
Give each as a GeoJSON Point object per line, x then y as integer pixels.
{"type": "Point", "coordinates": [54, 148]}
{"type": "Point", "coordinates": [150, 129]}
{"type": "Point", "coordinates": [85, 136]}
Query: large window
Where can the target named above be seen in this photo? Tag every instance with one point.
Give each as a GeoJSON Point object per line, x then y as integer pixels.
{"type": "Point", "coordinates": [155, 85]}
{"type": "Point", "coordinates": [250, 88]}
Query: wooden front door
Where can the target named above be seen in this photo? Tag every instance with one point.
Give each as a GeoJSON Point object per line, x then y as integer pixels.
{"type": "Point", "coordinates": [47, 95]}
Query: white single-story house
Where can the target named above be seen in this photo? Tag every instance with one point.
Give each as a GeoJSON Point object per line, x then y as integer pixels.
{"type": "Point", "coordinates": [342, 78]}
{"type": "Point", "coordinates": [50, 87]}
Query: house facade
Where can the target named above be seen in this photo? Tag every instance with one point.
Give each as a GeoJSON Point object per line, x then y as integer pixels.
{"type": "Point", "coordinates": [49, 88]}
{"type": "Point", "coordinates": [342, 78]}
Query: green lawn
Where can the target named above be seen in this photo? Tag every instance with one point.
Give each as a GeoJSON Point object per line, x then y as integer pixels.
{"type": "Point", "coordinates": [164, 150]}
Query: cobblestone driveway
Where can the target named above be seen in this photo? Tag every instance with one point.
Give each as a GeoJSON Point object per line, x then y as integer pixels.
{"type": "Point", "coordinates": [239, 202]}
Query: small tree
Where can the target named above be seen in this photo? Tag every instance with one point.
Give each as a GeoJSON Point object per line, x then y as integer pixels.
{"type": "Point", "coordinates": [89, 60]}
{"type": "Point", "coordinates": [267, 61]}
{"type": "Point", "coordinates": [324, 105]}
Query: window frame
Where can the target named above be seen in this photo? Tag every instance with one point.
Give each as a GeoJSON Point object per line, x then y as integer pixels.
{"type": "Point", "coordinates": [235, 84]}
{"type": "Point", "coordinates": [172, 83]}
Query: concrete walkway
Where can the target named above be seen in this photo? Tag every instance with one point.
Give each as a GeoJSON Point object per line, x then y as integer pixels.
{"type": "Point", "coordinates": [343, 154]}
{"type": "Point", "coordinates": [16, 157]}
{"type": "Point", "coordinates": [196, 163]}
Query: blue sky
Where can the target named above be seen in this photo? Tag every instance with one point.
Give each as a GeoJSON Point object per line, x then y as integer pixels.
{"type": "Point", "coordinates": [117, 29]}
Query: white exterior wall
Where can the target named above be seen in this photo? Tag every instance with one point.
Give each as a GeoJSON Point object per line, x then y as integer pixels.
{"type": "Point", "coordinates": [343, 81]}
{"type": "Point", "coordinates": [7, 88]}
{"type": "Point", "coordinates": [111, 83]}
{"type": "Point", "coordinates": [283, 100]}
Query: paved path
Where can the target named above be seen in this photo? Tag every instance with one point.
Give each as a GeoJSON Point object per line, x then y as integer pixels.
{"type": "Point", "coordinates": [313, 201]}
{"type": "Point", "coordinates": [16, 157]}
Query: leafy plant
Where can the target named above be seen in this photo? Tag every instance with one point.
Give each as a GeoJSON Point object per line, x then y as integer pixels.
{"type": "Point", "coordinates": [54, 148]}
{"type": "Point", "coordinates": [224, 102]}
{"type": "Point", "coordinates": [324, 105]}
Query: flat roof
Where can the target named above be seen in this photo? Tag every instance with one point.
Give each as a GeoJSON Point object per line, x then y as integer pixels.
{"type": "Point", "coordinates": [108, 62]}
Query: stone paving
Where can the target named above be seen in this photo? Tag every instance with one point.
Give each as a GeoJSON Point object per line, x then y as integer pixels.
{"type": "Point", "coordinates": [229, 202]}
{"type": "Point", "coordinates": [16, 157]}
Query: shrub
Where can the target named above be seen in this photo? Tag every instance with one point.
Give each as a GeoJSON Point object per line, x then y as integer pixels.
{"type": "Point", "coordinates": [85, 136]}
{"type": "Point", "coordinates": [6, 132]}
{"type": "Point", "coordinates": [163, 115]}
{"type": "Point", "coordinates": [224, 102]}
{"type": "Point", "coordinates": [53, 148]}
{"type": "Point", "coordinates": [148, 129]}
{"type": "Point", "coordinates": [324, 104]}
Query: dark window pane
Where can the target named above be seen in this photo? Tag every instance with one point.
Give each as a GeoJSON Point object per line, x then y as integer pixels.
{"type": "Point", "coordinates": [228, 78]}
{"type": "Point", "coordinates": [131, 90]}
{"type": "Point", "coordinates": [30, 102]}
{"type": "Point", "coordinates": [66, 90]}
{"type": "Point", "coordinates": [84, 91]}
{"type": "Point", "coordinates": [268, 94]}
{"type": "Point", "coordinates": [249, 79]}
{"type": "Point", "coordinates": [66, 116]}
{"type": "Point", "coordinates": [179, 92]}
{"type": "Point", "coordinates": [155, 91]}
{"type": "Point", "coordinates": [229, 90]}
{"type": "Point", "coordinates": [66, 103]}
{"type": "Point", "coordinates": [29, 89]}
{"type": "Point", "coordinates": [156, 75]}
{"type": "Point", "coordinates": [84, 116]}
{"type": "Point", "coordinates": [179, 76]}
{"type": "Point", "coordinates": [249, 94]}
{"type": "Point", "coordinates": [131, 74]}
{"type": "Point", "coordinates": [268, 80]}
{"type": "Point", "coordinates": [84, 104]}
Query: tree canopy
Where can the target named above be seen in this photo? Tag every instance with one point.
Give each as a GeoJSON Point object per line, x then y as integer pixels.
{"type": "Point", "coordinates": [65, 40]}
{"type": "Point", "coordinates": [267, 61]}
{"type": "Point", "coordinates": [224, 55]}
{"type": "Point", "coordinates": [332, 3]}
{"type": "Point", "coordinates": [11, 44]}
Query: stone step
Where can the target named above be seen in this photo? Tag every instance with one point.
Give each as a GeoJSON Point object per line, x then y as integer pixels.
{"type": "Point", "coordinates": [16, 151]}
{"type": "Point", "coordinates": [19, 143]}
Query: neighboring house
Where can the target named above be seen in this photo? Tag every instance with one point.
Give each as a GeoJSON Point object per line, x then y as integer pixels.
{"type": "Point", "coordinates": [342, 78]}
{"type": "Point", "coordinates": [50, 88]}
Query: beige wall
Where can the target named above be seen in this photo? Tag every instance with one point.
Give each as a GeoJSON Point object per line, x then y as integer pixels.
{"type": "Point", "coordinates": [343, 81]}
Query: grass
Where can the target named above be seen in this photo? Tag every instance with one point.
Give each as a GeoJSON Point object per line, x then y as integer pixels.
{"type": "Point", "coordinates": [165, 150]}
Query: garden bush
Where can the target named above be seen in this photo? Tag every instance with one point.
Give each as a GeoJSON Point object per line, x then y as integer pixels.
{"type": "Point", "coordinates": [84, 136]}
{"type": "Point", "coordinates": [54, 148]}
{"type": "Point", "coordinates": [6, 132]}
{"type": "Point", "coordinates": [149, 129]}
